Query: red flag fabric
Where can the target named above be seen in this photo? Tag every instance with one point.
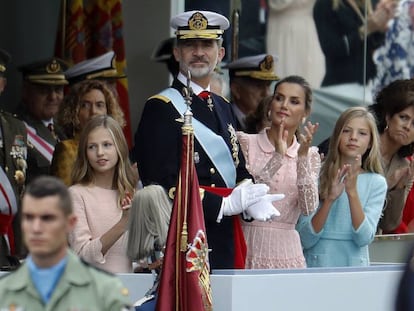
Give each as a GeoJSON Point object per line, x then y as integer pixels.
{"type": "Point", "coordinates": [89, 28]}
{"type": "Point", "coordinates": [240, 247]}
{"type": "Point", "coordinates": [185, 278]}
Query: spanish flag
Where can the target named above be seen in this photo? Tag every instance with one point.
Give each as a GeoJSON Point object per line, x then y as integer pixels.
{"type": "Point", "coordinates": [90, 28]}
{"type": "Point", "coordinates": [185, 278]}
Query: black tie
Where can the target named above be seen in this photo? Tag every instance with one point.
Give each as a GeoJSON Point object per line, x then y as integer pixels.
{"type": "Point", "coordinates": [51, 128]}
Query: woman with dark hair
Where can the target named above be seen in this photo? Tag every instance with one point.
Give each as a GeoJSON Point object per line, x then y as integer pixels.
{"type": "Point", "coordinates": [394, 110]}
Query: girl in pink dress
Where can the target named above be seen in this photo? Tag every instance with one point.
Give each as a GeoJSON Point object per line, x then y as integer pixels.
{"type": "Point", "coordinates": [283, 159]}
{"type": "Point", "coordinates": [103, 185]}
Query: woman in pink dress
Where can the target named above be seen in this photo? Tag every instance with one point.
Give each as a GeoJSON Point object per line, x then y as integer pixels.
{"type": "Point", "coordinates": [104, 183]}
{"type": "Point", "coordinates": [283, 159]}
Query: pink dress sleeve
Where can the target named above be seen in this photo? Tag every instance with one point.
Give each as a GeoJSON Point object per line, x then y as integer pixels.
{"type": "Point", "coordinates": [81, 239]}
{"type": "Point", "coordinates": [308, 174]}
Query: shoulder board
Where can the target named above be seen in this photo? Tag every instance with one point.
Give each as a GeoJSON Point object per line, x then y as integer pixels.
{"type": "Point", "coordinates": [160, 97]}
{"type": "Point", "coordinates": [96, 268]}
{"type": "Point", "coordinates": [223, 98]}
{"type": "Point", "coordinates": [8, 114]}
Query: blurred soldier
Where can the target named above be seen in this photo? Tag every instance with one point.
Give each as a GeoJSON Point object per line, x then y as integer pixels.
{"type": "Point", "coordinates": [42, 96]}
{"type": "Point", "coordinates": [53, 277]}
{"type": "Point", "coordinates": [102, 67]}
{"type": "Point", "coordinates": [250, 80]}
{"type": "Point", "coordinates": [13, 153]}
{"type": "Point", "coordinates": [163, 53]}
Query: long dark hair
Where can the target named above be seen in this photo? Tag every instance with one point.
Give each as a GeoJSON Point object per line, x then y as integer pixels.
{"type": "Point", "coordinates": [392, 99]}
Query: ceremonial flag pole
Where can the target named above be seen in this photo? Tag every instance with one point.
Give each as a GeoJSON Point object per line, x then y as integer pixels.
{"type": "Point", "coordinates": [185, 278]}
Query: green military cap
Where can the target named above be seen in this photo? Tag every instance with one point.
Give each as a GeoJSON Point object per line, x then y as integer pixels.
{"type": "Point", "coordinates": [4, 60]}
{"type": "Point", "coordinates": [199, 25]}
{"type": "Point", "coordinates": [49, 71]}
{"type": "Point", "coordinates": [260, 67]}
{"type": "Point", "coordinates": [102, 67]}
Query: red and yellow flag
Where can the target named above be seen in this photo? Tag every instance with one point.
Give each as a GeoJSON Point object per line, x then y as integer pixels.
{"type": "Point", "coordinates": [185, 278]}
{"type": "Point", "coordinates": [89, 28]}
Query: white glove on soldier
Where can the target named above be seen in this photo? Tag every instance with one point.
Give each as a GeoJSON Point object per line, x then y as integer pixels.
{"type": "Point", "coordinates": [264, 210]}
{"type": "Point", "coordinates": [246, 193]}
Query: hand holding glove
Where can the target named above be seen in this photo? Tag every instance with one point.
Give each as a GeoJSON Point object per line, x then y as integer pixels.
{"type": "Point", "coordinates": [264, 210]}
{"type": "Point", "coordinates": [246, 193]}
{"type": "Point", "coordinates": [252, 199]}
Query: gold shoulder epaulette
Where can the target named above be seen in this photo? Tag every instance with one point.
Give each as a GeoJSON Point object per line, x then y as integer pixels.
{"type": "Point", "coordinates": [160, 97]}
{"type": "Point", "coordinates": [222, 97]}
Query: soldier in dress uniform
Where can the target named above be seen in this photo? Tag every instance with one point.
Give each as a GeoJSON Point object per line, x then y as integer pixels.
{"type": "Point", "coordinates": [42, 95]}
{"type": "Point", "coordinates": [53, 277]}
{"type": "Point", "coordinates": [250, 80]}
{"type": "Point", "coordinates": [217, 157]}
{"type": "Point", "coordinates": [13, 154]}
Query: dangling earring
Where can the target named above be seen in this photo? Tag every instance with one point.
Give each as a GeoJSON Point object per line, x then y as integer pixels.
{"type": "Point", "coordinates": [303, 120]}
{"type": "Point", "coordinates": [386, 128]}
{"type": "Point", "coordinates": [268, 115]}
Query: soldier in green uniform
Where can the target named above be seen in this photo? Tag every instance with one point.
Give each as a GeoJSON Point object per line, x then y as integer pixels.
{"type": "Point", "coordinates": [53, 277]}
{"type": "Point", "coordinates": [42, 95]}
{"type": "Point", "coordinates": [13, 153]}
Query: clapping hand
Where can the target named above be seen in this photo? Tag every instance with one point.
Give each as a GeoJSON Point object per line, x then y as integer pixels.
{"type": "Point", "coordinates": [305, 139]}
{"type": "Point", "coordinates": [383, 13]}
{"type": "Point", "coordinates": [401, 176]}
{"type": "Point", "coordinates": [346, 178]}
{"type": "Point", "coordinates": [281, 144]}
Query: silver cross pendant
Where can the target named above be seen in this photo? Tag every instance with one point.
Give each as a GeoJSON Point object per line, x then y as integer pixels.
{"type": "Point", "coordinates": [210, 103]}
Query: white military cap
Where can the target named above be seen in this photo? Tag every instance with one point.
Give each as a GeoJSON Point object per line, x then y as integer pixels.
{"type": "Point", "coordinates": [199, 25]}
{"type": "Point", "coordinates": [261, 67]}
{"type": "Point", "coordinates": [101, 67]}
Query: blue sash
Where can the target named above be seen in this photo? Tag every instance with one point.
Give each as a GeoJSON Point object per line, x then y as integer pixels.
{"type": "Point", "coordinates": [214, 145]}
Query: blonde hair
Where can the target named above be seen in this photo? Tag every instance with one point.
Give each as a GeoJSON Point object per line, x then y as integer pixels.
{"type": "Point", "coordinates": [68, 115]}
{"type": "Point", "coordinates": [371, 160]}
{"type": "Point", "coordinates": [124, 179]}
{"type": "Point", "coordinates": [148, 222]}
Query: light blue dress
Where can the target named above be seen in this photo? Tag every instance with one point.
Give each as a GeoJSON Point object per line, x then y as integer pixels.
{"type": "Point", "coordinates": [338, 244]}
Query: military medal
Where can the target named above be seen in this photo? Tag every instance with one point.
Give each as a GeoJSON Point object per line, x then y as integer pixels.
{"type": "Point", "coordinates": [234, 144]}
{"type": "Point", "coordinates": [210, 103]}
{"type": "Point", "coordinates": [19, 154]}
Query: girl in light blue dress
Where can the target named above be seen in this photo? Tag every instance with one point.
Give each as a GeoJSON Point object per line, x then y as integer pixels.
{"type": "Point", "coordinates": [352, 192]}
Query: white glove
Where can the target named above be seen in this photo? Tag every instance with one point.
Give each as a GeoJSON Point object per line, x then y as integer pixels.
{"type": "Point", "coordinates": [245, 194]}
{"type": "Point", "coordinates": [264, 210]}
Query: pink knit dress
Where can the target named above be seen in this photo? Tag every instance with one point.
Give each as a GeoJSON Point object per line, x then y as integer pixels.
{"type": "Point", "coordinates": [276, 244]}
{"type": "Point", "coordinates": [97, 211]}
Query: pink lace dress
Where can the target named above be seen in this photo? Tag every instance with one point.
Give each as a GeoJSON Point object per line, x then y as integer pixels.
{"type": "Point", "coordinates": [276, 244]}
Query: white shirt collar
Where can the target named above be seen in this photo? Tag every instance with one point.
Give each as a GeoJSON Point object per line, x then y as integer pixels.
{"type": "Point", "coordinates": [195, 87]}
